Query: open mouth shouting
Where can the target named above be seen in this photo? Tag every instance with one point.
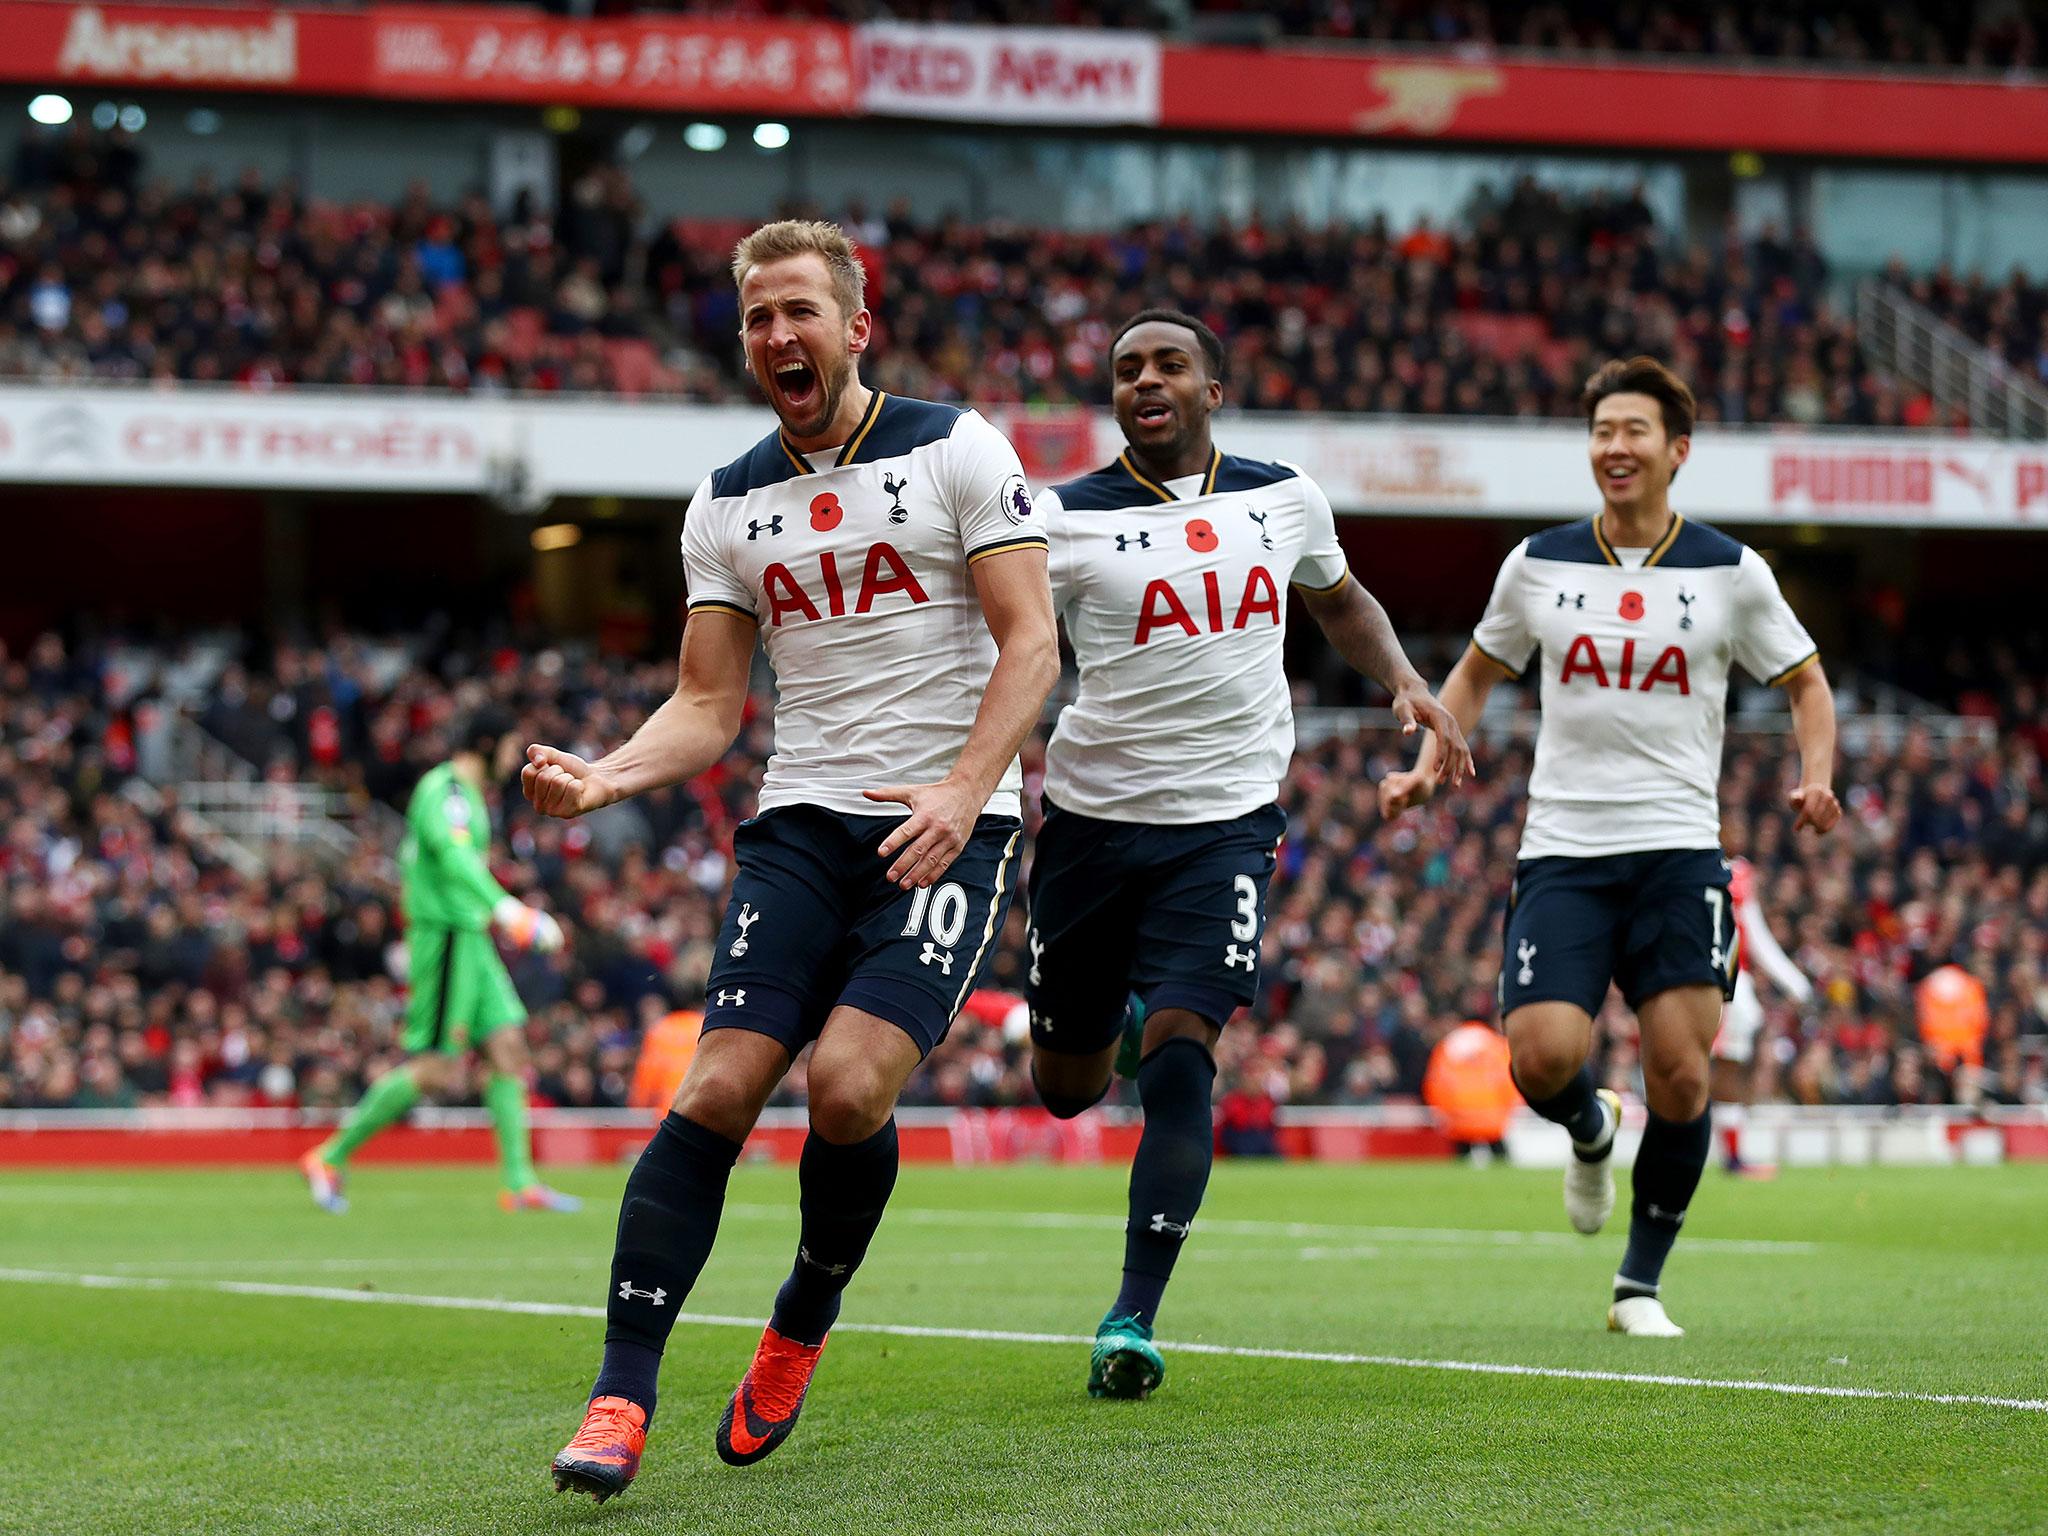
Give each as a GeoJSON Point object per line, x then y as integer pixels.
{"type": "Point", "coordinates": [796, 382]}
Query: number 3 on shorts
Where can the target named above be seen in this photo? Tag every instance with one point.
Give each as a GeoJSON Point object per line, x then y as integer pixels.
{"type": "Point", "coordinates": [1246, 924]}
{"type": "Point", "coordinates": [946, 905]}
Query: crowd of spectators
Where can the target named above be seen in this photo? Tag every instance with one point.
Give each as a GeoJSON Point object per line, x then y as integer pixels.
{"type": "Point", "coordinates": [2009, 317]}
{"type": "Point", "coordinates": [106, 275]}
{"type": "Point", "coordinates": [138, 965]}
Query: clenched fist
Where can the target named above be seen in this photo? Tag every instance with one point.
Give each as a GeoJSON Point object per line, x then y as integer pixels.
{"type": "Point", "coordinates": [562, 784]}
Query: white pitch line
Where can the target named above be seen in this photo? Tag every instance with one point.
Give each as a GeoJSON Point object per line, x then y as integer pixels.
{"type": "Point", "coordinates": [929, 1216]}
{"type": "Point", "coordinates": [1012, 1336]}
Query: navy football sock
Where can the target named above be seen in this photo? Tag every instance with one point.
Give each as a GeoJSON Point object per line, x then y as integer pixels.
{"type": "Point", "coordinates": [667, 1221]}
{"type": "Point", "coordinates": [1576, 1107]}
{"type": "Point", "coordinates": [1170, 1171]}
{"type": "Point", "coordinates": [844, 1191]}
{"type": "Point", "coordinates": [1668, 1167]}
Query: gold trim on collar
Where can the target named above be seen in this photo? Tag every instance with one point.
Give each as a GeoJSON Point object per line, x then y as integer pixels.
{"type": "Point", "coordinates": [861, 432]}
{"type": "Point", "coordinates": [1131, 469]}
{"type": "Point", "coordinates": [1215, 464]}
{"type": "Point", "coordinates": [1664, 544]}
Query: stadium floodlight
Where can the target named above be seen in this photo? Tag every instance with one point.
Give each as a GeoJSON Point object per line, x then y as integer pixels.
{"type": "Point", "coordinates": [133, 117]}
{"type": "Point", "coordinates": [772, 135]}
{"type": "Point", "coordinates": [636, 141]}
{"type": "Point", "coordinates": [105, 115]}
{"type": "Point", "coordinates": [50, 111]}
{"type": "Point", "coordinates": [704, 136]}
{"type": "Point", "coordinates": [203, 121]}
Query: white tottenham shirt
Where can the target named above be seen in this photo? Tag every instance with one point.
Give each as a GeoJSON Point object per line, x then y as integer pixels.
{"type": "Point", "coordinates": [1175, 600]}
{"type": "Point", "coordinates": [855, 566]}
{"type": "Point", "coordinates": [1636, 650]}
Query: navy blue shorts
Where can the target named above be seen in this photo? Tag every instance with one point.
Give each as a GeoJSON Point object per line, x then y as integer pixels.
{"type": "Point", "coordinates": [814, 922]}
{"type": "Point", "coordinates": [1172, 913]}
{"type": "Point", "coordinates": [1646, 921]}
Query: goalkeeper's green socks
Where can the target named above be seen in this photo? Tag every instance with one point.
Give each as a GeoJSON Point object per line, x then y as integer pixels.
{"type": "Point", "coordinates": [505, 1098]}
{"type": "Point", "coordinates": [384, 1103]}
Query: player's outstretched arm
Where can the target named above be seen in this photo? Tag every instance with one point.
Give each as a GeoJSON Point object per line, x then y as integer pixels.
{"type": "Point", "coordinates": [1464, 696]}
{"type": "Point", "coordinates": [1364, 636]}
{"type": "Point", "coordinates": [1016, 603]}
{"type": "Point", "coordinates": [681, 739]}
{"type": "Point", "coordinates": [1813, 727]}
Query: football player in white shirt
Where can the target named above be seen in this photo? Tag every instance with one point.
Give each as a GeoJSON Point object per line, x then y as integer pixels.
{"type": "Point", "coordinates": [1636, 614]}
{"type": "Point", "coordinates": [1743, 1020]}
{"type": "Point", "coordinates": [886, 554]}
{"type": "Point", "coordinates": [1171, 568]}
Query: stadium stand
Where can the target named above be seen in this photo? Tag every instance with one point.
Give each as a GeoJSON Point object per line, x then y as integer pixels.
{"type": "Point", "coordinates": [106, 274]}
{"type": "Point", "coordinates": [139, 966]}
{"type": "Point", "coordinates": [1977, 37]}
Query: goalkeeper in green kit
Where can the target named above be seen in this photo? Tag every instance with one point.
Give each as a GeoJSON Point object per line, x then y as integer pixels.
{"type": "Point", "coordinates": [461, 998]}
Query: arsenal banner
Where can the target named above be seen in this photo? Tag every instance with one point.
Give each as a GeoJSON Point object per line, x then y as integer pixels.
{"type": "Point", "coordinates": [1037, 75]}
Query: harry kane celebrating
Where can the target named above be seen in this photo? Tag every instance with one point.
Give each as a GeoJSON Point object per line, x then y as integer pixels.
{"type": "Point", "coordinates": [1171, 568]}
{"type": "Point", "coordinates": [886, 553]}
{"type": "Point", "coordinates": [1638, 615]}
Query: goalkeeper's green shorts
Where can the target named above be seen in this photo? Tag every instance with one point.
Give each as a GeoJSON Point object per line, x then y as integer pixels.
{"type": "Point", "coordinates": [460, 990]}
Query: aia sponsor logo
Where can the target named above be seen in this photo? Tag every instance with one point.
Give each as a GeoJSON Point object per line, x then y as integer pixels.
{"type": "Point", "coordinates": [1164, 608]}
{"type": "Point", "coordinates": [820, 591]}
{"type": "Point", "coordinates": [1582, 659]}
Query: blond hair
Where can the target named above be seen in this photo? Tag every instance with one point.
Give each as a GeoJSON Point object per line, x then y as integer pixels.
{"type": "Point", "coordinates": [807, 237]}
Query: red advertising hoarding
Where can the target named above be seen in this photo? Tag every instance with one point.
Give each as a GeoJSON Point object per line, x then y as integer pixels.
{"type": "Point", "coordinates": [1050, 77]}
{"type": "Point", "coordinates": [438, 54]}
{"type": "Point", "coordinates": [1357, 93]}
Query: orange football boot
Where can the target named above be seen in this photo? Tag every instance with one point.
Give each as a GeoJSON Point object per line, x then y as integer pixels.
{"type": "Point", "coordinates": [324, 1180]}
{"type": "Point", "coordinates": [538, 1197]}
{"type": "Point", "coordinates": [763, 1408]}
{"type": "Point", "coordinates": [605, 1454]}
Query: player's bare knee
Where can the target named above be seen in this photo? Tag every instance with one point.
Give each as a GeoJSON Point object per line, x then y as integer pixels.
{"type": "Point", "coordinates": [1179, 1024]}
{"type": "Point", "coordinates": [721, 1101]}
{"type": "Point", "coordinates": [1543, 1064]}
{"type": "Point", "coordinates": [1675, 1089]}
{"type": "Point", "coordinates": [1068, 1082]}
{"type": "Point", "coordinates": [506, 1052]}
{"type": "Point", "coordinates": [850, 1104]}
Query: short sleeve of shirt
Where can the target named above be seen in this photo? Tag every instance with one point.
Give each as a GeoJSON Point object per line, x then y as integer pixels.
{"type": "Point", "coordinates": [1052, 513]}
{"type": "Point", "coordinates": [1322, 567]}
{"type": "Point", "coordinates": [1503, 635]}
{"type": "Point", "coordinates": [985, 483]}
{"type": "Point", "coordinates": [1770, 643]}
{"type": "Point", "coordinates": [708, 573]}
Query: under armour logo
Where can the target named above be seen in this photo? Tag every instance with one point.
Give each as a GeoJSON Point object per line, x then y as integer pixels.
{"type": "Point", "coordinates": [1037, 953]}
{"type": "Point", "coordinates": [1685, 601]}
{"type": "Point", "coordinates": [829, 1269]}
{"type": "Point", "coordinates": [1265, 538]}
{"type": "Point", "coordinates": [628, 1291]}
{"type": "Point", "coordinates": [1139, 540]}
{"type": "Point", "coordinates": [1571, 600]}
{"type": "Point", "coordinates": [933, 955]}
{"type": "Point", "coordinates": [1161, 1225]}
{"type": "Point", "coordinates": [747, 918]}
{"type": "Point", "coordinates": [896, 488]}
{"type": "Point", "coordinates": [1525, 952]}
{"type": "Point", "coordinates": [755, 526]}
{"type": "Point", "coordinates": [736, 998]}
{"type": "Point", "coordinates": [1657, 1213]}
{"type": "Point", "coordinates": [1235, 956]}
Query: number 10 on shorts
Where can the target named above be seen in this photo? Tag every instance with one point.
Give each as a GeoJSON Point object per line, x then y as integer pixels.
{"type": "Point", "coordinates": [945, 906]}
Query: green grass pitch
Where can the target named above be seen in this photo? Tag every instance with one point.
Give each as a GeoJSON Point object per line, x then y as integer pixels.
{"type": "Point", "coordinates": [165, 1403]}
